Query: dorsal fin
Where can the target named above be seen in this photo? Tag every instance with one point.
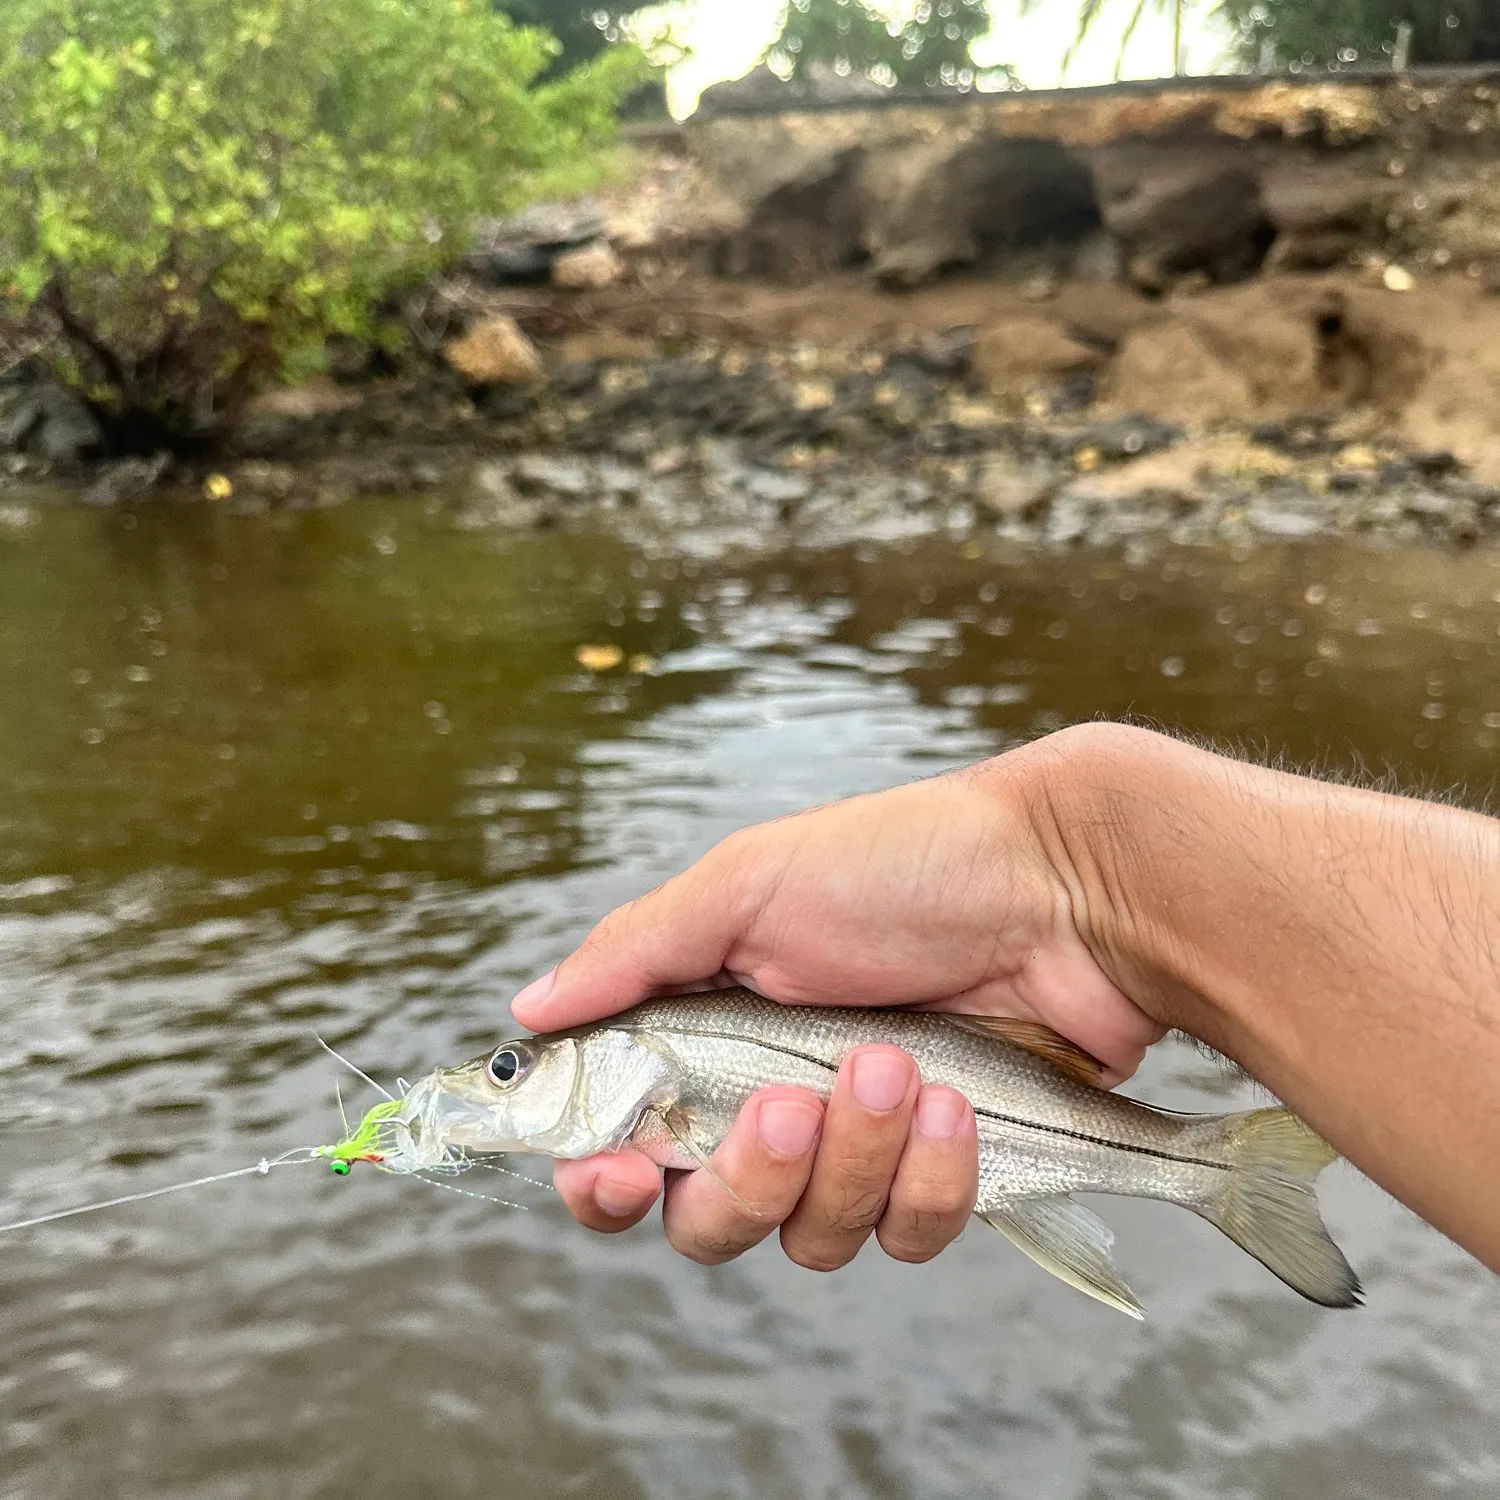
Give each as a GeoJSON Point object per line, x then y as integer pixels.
{"type": "Point", "coordinates": [1043, 1041]}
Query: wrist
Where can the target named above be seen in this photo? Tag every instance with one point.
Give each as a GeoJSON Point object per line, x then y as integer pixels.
{"type": "Point", "coordinates": [1128, 818]}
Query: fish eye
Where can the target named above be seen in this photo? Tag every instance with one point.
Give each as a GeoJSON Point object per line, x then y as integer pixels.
{"type": "Point", "coordinates": [507, 1065]}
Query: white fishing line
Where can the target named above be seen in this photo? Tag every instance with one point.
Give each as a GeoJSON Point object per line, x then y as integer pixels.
{"type": "Point", "coordinates": [448, 1187]}
{"type": "Point", "coordinates": [360, 1072]}
{"type": "Point", "coordinates": [298, 1156]}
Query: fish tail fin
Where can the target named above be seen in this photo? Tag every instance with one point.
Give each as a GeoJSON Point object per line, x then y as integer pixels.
{"type": "Point", "coordinates": [1268, 1205]}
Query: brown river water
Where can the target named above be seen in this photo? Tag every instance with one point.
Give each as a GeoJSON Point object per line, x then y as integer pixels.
{"type": "Point", "coordinates": [339, 771]}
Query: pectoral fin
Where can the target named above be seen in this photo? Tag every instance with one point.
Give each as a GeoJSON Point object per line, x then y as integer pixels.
{"type": "Point", "coordinates": [681, 1128]}
{"type": "Point", "coordinates": [1065, 1238]}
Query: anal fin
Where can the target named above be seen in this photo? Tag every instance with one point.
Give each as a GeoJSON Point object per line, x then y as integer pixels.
{"type": "Point", "coordinates": [1071, 1242]}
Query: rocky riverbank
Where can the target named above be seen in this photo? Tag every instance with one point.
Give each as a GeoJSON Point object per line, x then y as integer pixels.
{"type": "Point", "coordinates": [748, 437]}
{"type": "Point", "coordinates": [699, 352]}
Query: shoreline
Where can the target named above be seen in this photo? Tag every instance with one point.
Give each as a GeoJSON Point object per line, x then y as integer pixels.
{"type": "Point", "coordinates": [831, 412]}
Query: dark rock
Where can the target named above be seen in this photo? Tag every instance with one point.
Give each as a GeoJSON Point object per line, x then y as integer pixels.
{"type": "Point", "coordinates": [566, 475]}
{"type": "Point", "coordinates": [127, 479]}
{"type": "Point", "coordinates": [1437, 464]}
{"type": "Point", "coordinates": [1021, 207]}
{"type": "Point", "coordinates": [67, 431]}
{"type": "Point", "coordinates": [1321, 211]}
{"type": "Point", "coordinates": [1076, 393]}
{"type": "Point", "coordinates": [1126, 437]}
{"type": "Point", "coordinates": [1304, 437]}
{"type": "Point", "coordinates": [945, 354]}
{"type": "Point", "coordinates": [525, 246]}
{"type": "Point", "coordinates": [1174, 210]}
{"type": "Point", "coordinates": [18, 416]}
{"type": "Point", "coordinates": [1484, 497]}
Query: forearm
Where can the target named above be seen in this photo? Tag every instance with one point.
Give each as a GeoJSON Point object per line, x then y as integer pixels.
{"type": "Point", "coordinates": [1342, 945]}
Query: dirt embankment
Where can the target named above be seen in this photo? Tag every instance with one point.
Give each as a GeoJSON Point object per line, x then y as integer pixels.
{"type": "Point", "coordinates": [694, 409]}
{"type": "Point", "coordinates": [1097, 314]}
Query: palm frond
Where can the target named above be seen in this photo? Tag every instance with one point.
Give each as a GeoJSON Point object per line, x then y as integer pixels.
{"type": "Point", "coordinates": [1135, 20]}
{"type": "Point", "coordinates": [1088, 13]}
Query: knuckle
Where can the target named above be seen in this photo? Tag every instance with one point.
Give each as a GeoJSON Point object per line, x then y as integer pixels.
{"type": "Point", "coordinates": [914, 1236]}
{"type": "Point", "coordinates": [856, 1212]}
{"type": "Point", "coordinates": [938, 1198]}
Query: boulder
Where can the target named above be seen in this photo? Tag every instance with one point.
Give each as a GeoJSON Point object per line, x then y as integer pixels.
{"type": "Point", "coordinates": [526, 246]}
{"type": "Point", "coordinates": [68, 431]}
{"type": "Point", "coordinates": [1010, 490]}
{"type": "Point", "coordinates": [1021, 207]}
{"type": "Point", "coordinates": [1176, 209]}
{"type": "Point", "coordinates": [590, 268]}
{"type": "Point", "coordinates": [1022, 353]}
{"type": "Point", "coordinates": [49, 421]}
{"type": "Point", "coordinates": [495, 352]}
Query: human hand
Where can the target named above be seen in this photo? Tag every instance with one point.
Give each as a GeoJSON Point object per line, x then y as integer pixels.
{"type": "Point", "coordinates": [950, 894]}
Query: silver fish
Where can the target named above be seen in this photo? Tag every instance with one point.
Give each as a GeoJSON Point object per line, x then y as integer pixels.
{"type": "Point", "coordinates": [669, 1077]}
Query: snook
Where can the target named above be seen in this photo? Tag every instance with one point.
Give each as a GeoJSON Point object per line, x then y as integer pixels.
{"type": "Point", "coordinates": [670, 1076]}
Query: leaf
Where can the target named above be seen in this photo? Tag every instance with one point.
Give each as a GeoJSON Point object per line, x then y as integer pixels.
{"type": "Point", "coordinates": [598, 658]}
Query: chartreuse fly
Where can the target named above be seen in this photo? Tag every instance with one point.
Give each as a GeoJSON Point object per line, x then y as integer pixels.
{"type": "Point", "coordinates": [386, 1137]}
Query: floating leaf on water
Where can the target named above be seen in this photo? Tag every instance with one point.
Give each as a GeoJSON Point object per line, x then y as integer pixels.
{"type": "Point", "coordinates": [598, 658]}
{"type": "Point", "coordinates": [217, 487]}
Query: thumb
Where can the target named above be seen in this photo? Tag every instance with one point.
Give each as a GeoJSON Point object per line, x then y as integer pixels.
{"type": "Point", "coordinates": [682, 933]}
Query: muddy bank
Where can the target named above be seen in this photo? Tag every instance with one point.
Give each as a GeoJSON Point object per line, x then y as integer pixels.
{"type": "Point", "coordinates": [1054, 415]}
{"type": "Point", "coordinates": [1166, 179]}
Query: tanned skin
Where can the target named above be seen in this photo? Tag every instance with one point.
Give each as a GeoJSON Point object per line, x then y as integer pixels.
{"type": "Point", "coordinates": [1341, 945]}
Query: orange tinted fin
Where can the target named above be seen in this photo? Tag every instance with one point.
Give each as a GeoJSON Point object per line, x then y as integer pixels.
{"type": "Point", "coordinates": [1043, 1041]}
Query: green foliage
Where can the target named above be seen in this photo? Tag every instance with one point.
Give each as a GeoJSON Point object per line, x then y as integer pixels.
{"type": "Point", "coordinates": [202, 191]}
{"type": "Point", "coordinates": [1361, 33]}
{"type": "Point", "coordinates": [583, 31]}
{"type": "Point", "coordinates": [928, 50]}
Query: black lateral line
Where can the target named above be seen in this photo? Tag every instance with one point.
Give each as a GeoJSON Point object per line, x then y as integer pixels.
{"type": "Point", "coordinates": [988, 1114]}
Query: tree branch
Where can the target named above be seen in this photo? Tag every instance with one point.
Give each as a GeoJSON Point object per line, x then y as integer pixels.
{"type": "Point", "coordinates": [56, 302]}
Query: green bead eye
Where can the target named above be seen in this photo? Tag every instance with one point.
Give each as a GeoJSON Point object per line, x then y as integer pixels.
{"type": "Point", "coordinates": [339, 1168]}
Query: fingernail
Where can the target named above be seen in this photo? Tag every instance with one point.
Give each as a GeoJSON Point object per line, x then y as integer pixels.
{"type": "Point", "coordinates": [881, 1080]}
{"type": "Point", "coordinates": [939, 1113]}
{"type": "Point", "coordinates": [617, 1200]}
{"type": "Point", "coordinates": [789, 1128]}
{"type": "Point", "coordinates": [535, 992]}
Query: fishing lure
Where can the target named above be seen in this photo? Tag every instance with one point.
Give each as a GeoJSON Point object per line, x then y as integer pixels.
{"type": "Point", "coordinates": [387, 1137]}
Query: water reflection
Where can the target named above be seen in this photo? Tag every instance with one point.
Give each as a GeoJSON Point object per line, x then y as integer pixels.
{"type": "Point", "coordinates": [343, 771]}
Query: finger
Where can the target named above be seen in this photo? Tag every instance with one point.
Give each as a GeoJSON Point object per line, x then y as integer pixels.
{"type": "Point", "coordinates": [678, 934]}
{"type": "Point", "coordinates": [764, 1164]}
{"type": "Point", "coordinates": [609, 1192]}
{"type": "Point", "coordinates": [938, 1179]}
{"type": "Point", "coordinates": [865, 1131]}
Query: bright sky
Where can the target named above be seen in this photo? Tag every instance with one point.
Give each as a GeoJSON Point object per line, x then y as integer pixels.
{"type": "Point", "coordinates": [727, 38]}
